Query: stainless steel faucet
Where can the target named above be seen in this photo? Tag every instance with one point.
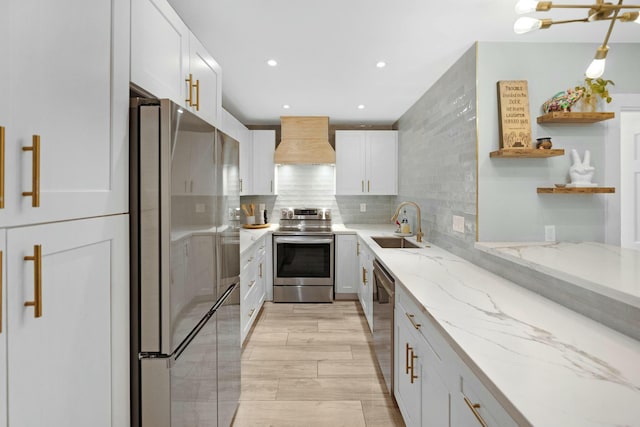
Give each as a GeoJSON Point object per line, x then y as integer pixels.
{"type": "Point", "coordinates": [419, 233]}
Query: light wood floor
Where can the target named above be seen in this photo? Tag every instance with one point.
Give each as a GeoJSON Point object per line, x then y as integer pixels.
{"type": "Point", "coordinates": [313, 365]}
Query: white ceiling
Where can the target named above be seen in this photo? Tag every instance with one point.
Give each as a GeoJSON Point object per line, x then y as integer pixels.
{"type": "Point", "coordinates": [327, 50]}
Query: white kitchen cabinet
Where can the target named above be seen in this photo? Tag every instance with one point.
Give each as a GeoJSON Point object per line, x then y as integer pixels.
{"type": "Point", "coordinates": [365, 282]}
{"type": "Point", "coordinates": [253, 272]}
{"type": "Point", "coordinates": [264, 146]}
{"type": "Point", "coordinates": [408, 371]}
{"type": "Point", "coordinates": [159, 50]}
{"type": "Point", "coordinates": [3, 330]}
{"type": "Point", "coordinates": [367, 162]}
{"type": "Point", "coordinates": [70, 366]}
{"type": "Point", "coordinates": [205, 88]}
{"type": "Point", "coordinates": [346, 264]}
{"type": "Point", "coordinates": [68, 86]}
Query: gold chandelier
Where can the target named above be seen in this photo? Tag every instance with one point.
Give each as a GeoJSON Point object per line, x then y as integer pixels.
{"type": "Point", "coordinates": [600, 11]}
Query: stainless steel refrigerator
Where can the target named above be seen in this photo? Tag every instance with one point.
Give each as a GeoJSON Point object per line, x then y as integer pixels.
{"type": "Point", "coordinates": [185, 303]}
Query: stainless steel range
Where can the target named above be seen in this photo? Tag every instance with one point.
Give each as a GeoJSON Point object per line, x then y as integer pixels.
{"type": "Point", "coordinates": [303, 256]}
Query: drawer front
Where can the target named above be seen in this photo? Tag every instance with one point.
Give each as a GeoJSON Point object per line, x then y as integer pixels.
{"type": "Point", "coordinates": [475, 396]}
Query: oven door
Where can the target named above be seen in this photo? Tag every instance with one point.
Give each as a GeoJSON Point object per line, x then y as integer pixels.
{"type": "Point", "coordinates": [303, 260]}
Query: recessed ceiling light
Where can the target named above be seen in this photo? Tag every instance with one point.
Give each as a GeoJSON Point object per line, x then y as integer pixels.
{"type": "Point", "coordinates": [286, 106]}
{"type": "Point", "coordinates": [381, 64]}
{"type": "Point", "coordinates": [272, 62]}
{"type": "Point", "coordinates": [360, 107]}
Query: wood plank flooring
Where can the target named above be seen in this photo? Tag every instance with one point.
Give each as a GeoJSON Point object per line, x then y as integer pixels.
{"type": "Point", "coordinates": [313, 365]}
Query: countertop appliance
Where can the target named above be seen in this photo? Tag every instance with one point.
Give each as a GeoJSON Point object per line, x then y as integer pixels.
{"type": "Point", "coordinates": [185, 251]}
{"type": "Point", "coordinates": [303, 251]}
{"type": "Point", "coordinates": [383, 313]}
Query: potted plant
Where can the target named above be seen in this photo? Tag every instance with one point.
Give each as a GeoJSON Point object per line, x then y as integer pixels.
{"type": "Point", "coordinates": [592, 90]}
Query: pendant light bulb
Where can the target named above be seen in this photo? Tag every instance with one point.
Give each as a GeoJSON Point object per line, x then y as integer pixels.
{"type": "Point", "coordinates": [526, 24]}
{"type": "Point", "coordinates": [596, 68]}
{"type": "Point", "coordinates": [526, 6]}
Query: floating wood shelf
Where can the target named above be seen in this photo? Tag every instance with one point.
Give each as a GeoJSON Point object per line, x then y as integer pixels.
{"type": "Point", "coordinates": [576, 190]}
{"type": "Point", "coordinates": [571, 117]}
{"type": "Point", "coordinates": [526, 153]}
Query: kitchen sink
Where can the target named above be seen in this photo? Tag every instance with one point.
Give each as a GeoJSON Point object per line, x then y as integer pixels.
{"type": "Point", "coordinates": [394, 242]}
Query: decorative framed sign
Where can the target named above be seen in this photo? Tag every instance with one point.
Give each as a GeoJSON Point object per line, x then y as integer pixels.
{"type": "Point", "coordinates": [513, 111]}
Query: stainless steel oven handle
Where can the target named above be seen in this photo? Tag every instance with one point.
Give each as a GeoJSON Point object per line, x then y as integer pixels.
{"type": "Point", "coordinates": [305, 240]}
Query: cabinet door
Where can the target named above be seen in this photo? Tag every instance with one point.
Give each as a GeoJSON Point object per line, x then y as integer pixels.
{"type": "Point", "coordinates": [350, 158]}
{"type": "Point", "coordinates": [3, 330]}
{"type": "Point", "coordinates": [246, 162]}
{"type": "Point", "coordinates": [346, 264]}
{"type": "Point", "coordinates": [435, 394]}
{"type": "Point", "coordinates": [69, 367]}
{"type": "Point", "coordinates": [69, 79]}
{"type": "Point", "coordinates": [408, 391]}
{"type": "Point", "coordinates": [264, 146]}
{"type": "Point", "coordinates": [159, 50]}
{"type": "Point", "coordinates": [207, 74]}
{"type": "Point", "coordinates": [382, 163]}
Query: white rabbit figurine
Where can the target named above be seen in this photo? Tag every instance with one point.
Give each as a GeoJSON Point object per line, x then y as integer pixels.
{"type": "Point", "coordinates": [581, 172]}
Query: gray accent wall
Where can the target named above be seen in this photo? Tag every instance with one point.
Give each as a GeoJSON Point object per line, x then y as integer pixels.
{"type": "Point", "coordinates": [437, 156]}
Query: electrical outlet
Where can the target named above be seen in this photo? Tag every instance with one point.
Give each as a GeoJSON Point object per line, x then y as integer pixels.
{"type": "Point", "coordinates": [200, 208]}
{"type": "Point", "coordinates": [458, 223]}
{"type": "Point", "coordinates": [363, 207]}
{"type": "Point", "coordinates": [549, 233]}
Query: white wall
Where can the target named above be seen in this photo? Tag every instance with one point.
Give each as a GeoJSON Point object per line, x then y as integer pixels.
{"type": "Point", "coordinates": [509, 209]}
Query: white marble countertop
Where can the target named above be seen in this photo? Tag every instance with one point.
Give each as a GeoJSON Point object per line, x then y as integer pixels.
{"type": "Point", "coordinates": [605, 269]}
{"type": "Point", "coordinates": [553, 365]}
{"type": "Point", "coordinates": [249, 236]}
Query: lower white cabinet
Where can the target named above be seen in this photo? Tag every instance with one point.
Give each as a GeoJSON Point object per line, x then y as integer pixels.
{"type": "Point", "coordinates": [365, 282]}
{"type": "Point", "coordinates": [433, 386]}
{"type": "Point", "coordinates": [346, 264]}
{"type": "Point", "coordinates": [67, 326]}
{"type": "Point", "coordinates": [253, 274]}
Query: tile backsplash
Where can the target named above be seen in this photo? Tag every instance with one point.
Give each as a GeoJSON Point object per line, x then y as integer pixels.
{"type": "Point", "coordinates": [314, 186]}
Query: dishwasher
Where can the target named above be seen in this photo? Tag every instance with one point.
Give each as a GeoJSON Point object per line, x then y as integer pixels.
{"type": "Point", "coordinates": [383, 321]}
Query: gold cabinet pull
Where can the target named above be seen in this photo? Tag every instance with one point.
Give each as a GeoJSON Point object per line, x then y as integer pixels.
{"type": "Point", "coordinates": [271, 186]}
{"type": "Point", "coordinates": [358, 248]}
{"type": "Point", "coordinates": [406, 358]}
{"type": "Point", "coordinates": [37, 281]}
{"type": "Point", "coordinates": [197, 86]}
{"type": "Point", "coordinates": [364, 276]}
{"type": "Point", "coordinates": [362, 185]}
{"type": "Point", "coordinates": [368, 186]}
{"type": "Point", "coordinates": [189, 100]}
{"type": "Point", "coordinates": [413, 359]}
{"type": "Point", "coordinates": [251, 312]}
{"type": "Point", "coordinates": [1, 167]}
{"type": "Point", "coordinates": [474, 408]}
{"type": "Point", "coordinates": [260, 270]}
{"type": "Point", "coordinates": [251, 283]}
{"type": "Point", "coordinates": [241, 185]}
{"type": "Point", "coordinates": [411, 317]}
{"type": "Point", "coordinates": [0, 291]}
{"type": "Point", "coordinates": [35, 172]}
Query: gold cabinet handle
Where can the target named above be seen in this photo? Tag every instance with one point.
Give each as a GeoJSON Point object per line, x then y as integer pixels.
{"type": "Point", "coordinates": [251, 283]}
{"type": "Point", "coordinates": [406, 358]}
{"type": "Point", "coordinates": [197, 86]}
{"type": "Point", "coordinates": [368, 186]}
{"type": "Point", "coordinates": [358, 248]}
{"type": "Point", "coordinates": [411, 317]}
{"type": "Point", "coordinates": [35, 172]}
{"type": "Point", "coordinates": [37, 281]}
{"type": "Point", "coordinates": [189, 100]}
{"type": "Point", "coordinates": [241, 185]}
{"type": "Point", "coordinates": [364, 276]}
{"type": "Point", "coordinates": [260, 274]}
{"type": "Point", "coordinates": [362, 184]}
{"type": "Point", "coordinates": [474, 408]}
{"type": "Point", "coordinates": [1, 167]}
{"type": "Point", "coordinates": [413, 359]}
{"type": "Point", "coordinates": [0, 291]}
{"type": "Point", "coordinates": [271, 186]}
{"type": "Point", "coordinates": [251, 312]}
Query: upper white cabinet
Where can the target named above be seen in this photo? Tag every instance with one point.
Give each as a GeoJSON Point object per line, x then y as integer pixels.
{"type": "Point", "coordinates": [347, 264]}
{"type": "Point", "coordinates": [168, 61]}
{"type": "Point", "coordinates": [367, 162]}
{"type": "Point", "coordinates": [159, 50]}
{"type": "Point", "coordinates": [264, 146]}
{"type": "Point", "coordinates": [66, 136]}
{"type": "Point", "coordinates": [68, 348]}
{"type": "Point", "coordinates": [204, 85]}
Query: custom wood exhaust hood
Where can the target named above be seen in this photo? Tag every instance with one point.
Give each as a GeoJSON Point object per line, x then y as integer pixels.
{"type": "Point", "coordinates": [304, 140]}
